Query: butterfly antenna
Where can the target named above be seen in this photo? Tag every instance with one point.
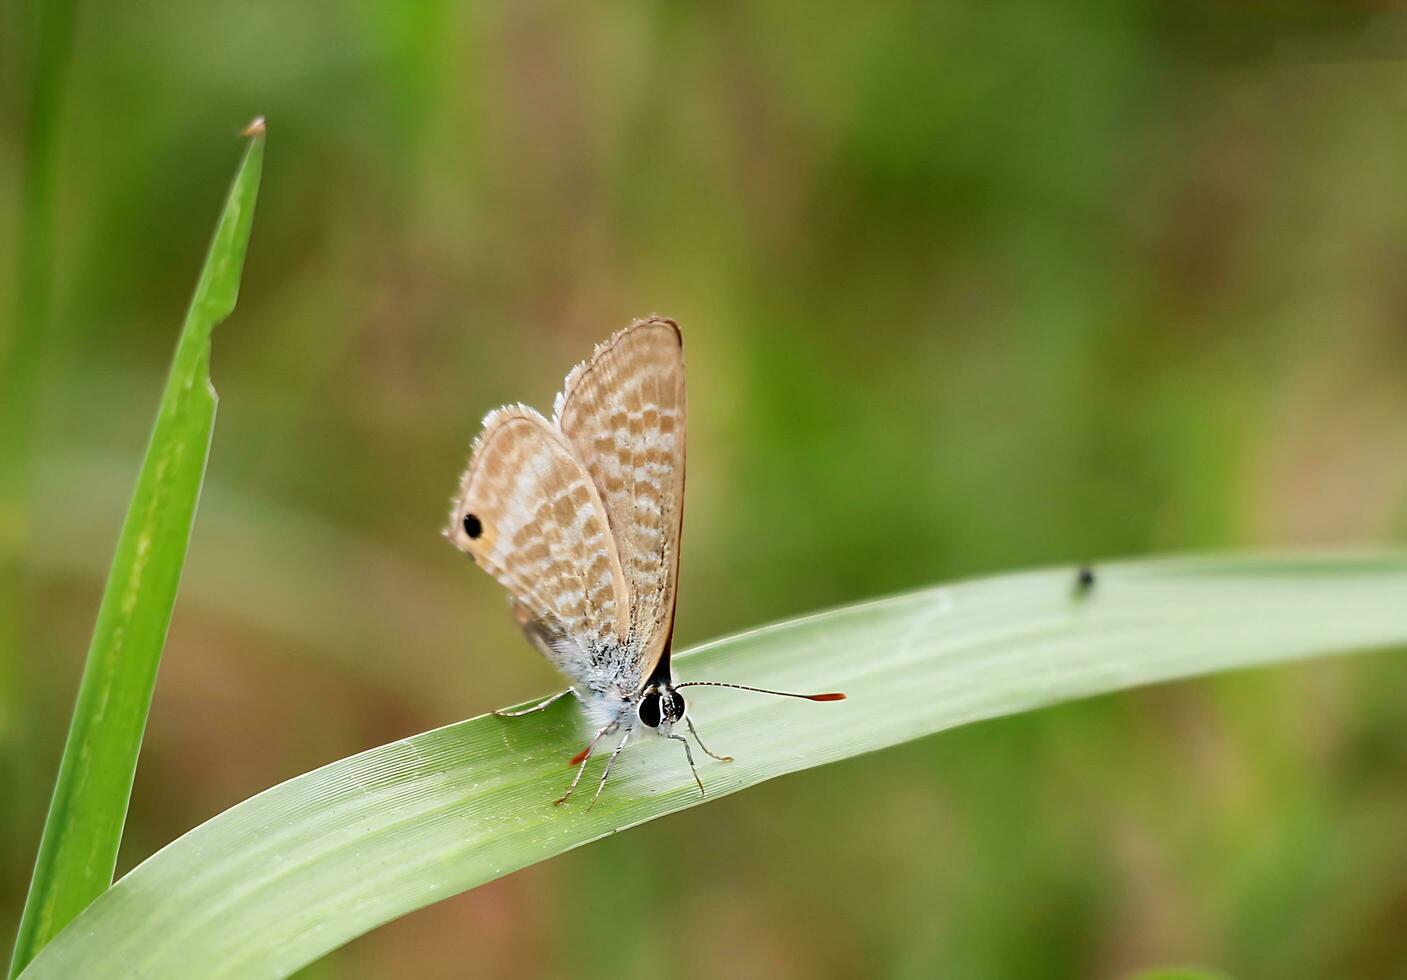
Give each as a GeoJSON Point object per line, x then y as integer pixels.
{"type": "Point", "coordinates": [832, 696]}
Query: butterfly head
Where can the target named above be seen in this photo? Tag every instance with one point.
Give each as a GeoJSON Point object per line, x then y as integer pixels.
{"type": "Point", "coordinates": [660, 707]}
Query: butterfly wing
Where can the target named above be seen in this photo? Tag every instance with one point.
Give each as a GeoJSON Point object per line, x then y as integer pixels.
{"type": "Point", "coordinates": [623, 412]}
{"type": "Point", "coordinates": [529, 514]}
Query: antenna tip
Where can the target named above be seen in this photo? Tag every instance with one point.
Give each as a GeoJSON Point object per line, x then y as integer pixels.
{"type": "Point", "coordinates": [833, 696]}
{"type": "Point", "coordinates": [255, 128]}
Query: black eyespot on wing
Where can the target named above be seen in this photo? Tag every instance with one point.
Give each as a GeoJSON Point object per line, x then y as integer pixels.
{"type": "Point", "coordinates": [473, 526]}
{"type": "Point", "coordinates": [650, 710]}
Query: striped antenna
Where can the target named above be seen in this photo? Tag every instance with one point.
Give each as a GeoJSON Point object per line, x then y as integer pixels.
{"type": "Point", "coordinates": [832, 696]}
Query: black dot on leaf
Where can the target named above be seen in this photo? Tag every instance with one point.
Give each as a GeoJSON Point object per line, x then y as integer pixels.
{"type": "Point", "coordinates": [473, 526]}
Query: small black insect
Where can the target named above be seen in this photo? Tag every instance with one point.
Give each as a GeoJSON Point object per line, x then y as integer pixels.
{"type": "Point", "coordinates": [1084, 581]}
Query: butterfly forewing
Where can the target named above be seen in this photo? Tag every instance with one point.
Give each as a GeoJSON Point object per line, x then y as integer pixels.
{"type": "Point", "coordinates": [530, 515]}
{"type": "Point", "coordinates": [624, 412]}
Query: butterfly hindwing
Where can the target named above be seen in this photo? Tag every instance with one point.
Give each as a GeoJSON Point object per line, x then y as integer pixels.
{"type": "Point", "coordinates": [623, 413]}
{"type": "Point", "coordinates": [530, 515]}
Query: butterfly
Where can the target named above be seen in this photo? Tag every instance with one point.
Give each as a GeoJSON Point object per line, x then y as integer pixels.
{"type": "Point", "coordinates": [579, 518]}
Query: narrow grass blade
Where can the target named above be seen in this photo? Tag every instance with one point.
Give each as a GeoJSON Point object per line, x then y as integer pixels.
{"type": "Point", "coordinates": [78, 851]}
{"type": "Point", "coordinates": [275, 882]}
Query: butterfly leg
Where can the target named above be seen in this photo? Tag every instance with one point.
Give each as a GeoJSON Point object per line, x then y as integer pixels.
{"type": "Point", "coordinates": [610, 762]}
{"type": "Point", "coordinates": [540, 706]}
{"type": "Point", "coordinates": [695, 732]}
{"type": "Point", "coordinates": [583, 758]}
{"type": "Point", "coordinates": [689, 754]}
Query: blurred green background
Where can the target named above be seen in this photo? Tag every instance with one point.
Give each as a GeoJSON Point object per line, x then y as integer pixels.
{"type": "Point", "coordinates": [965, 287]}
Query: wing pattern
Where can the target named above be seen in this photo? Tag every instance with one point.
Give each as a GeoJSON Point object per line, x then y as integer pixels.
{"type": "Point", "coordinates": [624, 414]}
{"type": "Point", "coordinates": [529, 514]}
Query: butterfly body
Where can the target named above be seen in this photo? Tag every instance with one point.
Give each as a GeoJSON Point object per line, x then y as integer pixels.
{"type": "Point", "coordinates": [605, 678]}
{"type": "Point", "coordinates": [579, 517]}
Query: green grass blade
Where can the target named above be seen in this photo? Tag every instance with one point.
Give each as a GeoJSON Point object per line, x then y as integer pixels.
{"type": "Point", "coordinates": [78, 851]}
{"type": "Point", "coordinates": [282, 878]}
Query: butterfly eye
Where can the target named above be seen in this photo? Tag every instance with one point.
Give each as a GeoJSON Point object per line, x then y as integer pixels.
{"type": "Point", "coordinates": [473, 526]}
{"type": "Point", "coordinates": [675, 709]}
{"type": "Point", "coordinates": [650, 710]}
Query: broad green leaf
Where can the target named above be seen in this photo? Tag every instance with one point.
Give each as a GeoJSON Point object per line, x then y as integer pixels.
{"type": "Point", "coordinates": [78, 851]}
{"type": "Point", "coordinates": [275, 882]}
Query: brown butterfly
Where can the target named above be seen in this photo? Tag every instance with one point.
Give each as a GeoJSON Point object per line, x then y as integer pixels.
{"type": "Point", "coordinates": [579, 517]}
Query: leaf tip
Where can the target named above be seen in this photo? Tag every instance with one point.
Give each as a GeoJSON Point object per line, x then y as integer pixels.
{"type": "Point", "coordinates": [255, 128]}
